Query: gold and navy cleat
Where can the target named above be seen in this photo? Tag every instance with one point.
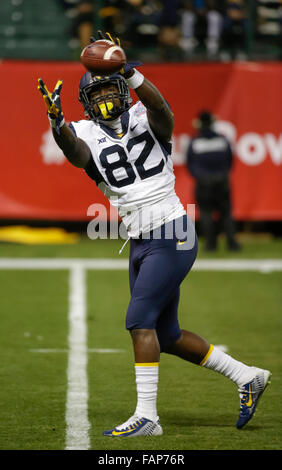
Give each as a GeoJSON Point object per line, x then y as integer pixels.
{"type": "Point", "coordinates": [136, 426]}
{"type": "Point", "coordinates": [250, 394]}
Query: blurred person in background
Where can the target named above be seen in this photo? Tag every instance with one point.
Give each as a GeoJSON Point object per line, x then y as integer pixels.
{"type": "Point", "coordinates": [113, 15]}
{"type": "Point", "coordinates": [136, 22]}
{"type": "Point", "coordinates": [169, 32]}
{"type": "Point", "coordinates": [81, 13]}
{"type": "Point", "coordinates": [235, 29]}
{"type": "Point", "coordinates": [143, 25]}
{"type": "Point", "coordinates": [201, 24]}
{"type": "Point", "coordinates": [209, 160]}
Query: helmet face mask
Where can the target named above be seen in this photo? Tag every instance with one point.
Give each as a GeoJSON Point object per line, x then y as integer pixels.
{"type": "Point", "coordinates": [106, 107]}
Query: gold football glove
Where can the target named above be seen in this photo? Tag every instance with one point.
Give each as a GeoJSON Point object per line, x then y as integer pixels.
{"type": "Point", "coordinates": [53, 104]}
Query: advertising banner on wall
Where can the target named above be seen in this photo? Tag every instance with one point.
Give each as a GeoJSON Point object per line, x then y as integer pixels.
{"type": "Point", "coordinates": [37, 182]}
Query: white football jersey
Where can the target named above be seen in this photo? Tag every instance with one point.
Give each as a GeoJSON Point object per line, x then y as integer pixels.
{"type": "Point", "coordinates": [134, 171]}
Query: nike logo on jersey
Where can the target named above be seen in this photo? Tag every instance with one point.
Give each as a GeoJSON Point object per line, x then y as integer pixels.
{"type": "Point", "coordinates": [181, 242]}
{"type": "Point", "coordinates": [132, 128]}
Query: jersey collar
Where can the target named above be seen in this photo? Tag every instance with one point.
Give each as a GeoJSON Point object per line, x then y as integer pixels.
{"type": "Point", "coordinates": [124, 124]}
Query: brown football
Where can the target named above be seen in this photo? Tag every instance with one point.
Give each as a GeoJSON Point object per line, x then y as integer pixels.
{"type": "Point", "coordinates": [103, 57]}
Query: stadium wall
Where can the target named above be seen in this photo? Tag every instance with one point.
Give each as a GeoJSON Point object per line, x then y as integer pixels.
{"type": "Point", "coordinates": [38, 183]}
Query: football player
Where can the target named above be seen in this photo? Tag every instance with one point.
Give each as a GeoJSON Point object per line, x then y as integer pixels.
{"type": "Point", "coordinates": [126, 150]}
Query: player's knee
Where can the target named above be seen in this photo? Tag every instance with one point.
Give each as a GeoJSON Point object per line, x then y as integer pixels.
{"type": "Point", "coordinates": [141, 319]}
{"type": "Point", "coordinates": [168, 342]}
{"type": "Point", "coordinates": [142, 334]}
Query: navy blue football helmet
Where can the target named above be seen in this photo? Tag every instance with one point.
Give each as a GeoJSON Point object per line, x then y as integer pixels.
{"type": "Point", "coordinates": [89, 83]}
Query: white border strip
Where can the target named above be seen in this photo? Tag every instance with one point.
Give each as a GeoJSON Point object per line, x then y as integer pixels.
{"type": "Point", "coordinates": [262, 265]}
{"type": "Point", "coordinates": [78, 425]}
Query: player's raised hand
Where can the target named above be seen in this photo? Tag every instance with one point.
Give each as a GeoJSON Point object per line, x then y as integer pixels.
{"type": "Point", "coordinates": [107, 37]}
{"type": "Point", "coordinates": [129, 66]}
{"type": "Point", "coordinates": [53, 103]}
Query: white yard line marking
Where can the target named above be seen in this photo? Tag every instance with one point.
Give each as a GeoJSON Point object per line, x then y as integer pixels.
{"type": "Point", "coordinates": [91, 350]}
{"type": "Point", "coordinates": [63, 263]}
{"type": "Point", "coordinates": [78, 425]}
{"type": "Point", "coordinates": [262, 265]}
{"type": "Point", "coordinates": [105, 351]}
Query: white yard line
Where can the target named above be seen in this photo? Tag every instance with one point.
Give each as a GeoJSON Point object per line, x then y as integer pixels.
{"type": "Point", "coordinates": [91, 350]}
{"type": "Point", "coordinates": [78, 425]}
{"type": "Point", "coordinates": [262, 265]}
{"type": "Point", "coordinates": [63, 263]}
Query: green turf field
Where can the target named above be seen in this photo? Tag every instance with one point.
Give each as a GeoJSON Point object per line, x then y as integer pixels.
{"type": "Point", "coordinates": [198, 408]}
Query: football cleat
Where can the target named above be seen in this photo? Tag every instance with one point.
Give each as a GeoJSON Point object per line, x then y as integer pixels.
{"type": "Point", "coordinates": [136, 426]}
{"type": "Point", "coordinates": [249, 396]}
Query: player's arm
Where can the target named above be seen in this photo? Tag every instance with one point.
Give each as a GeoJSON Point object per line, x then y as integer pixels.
{"type": "Point", "coordinates": [75, 149]}
{"type": "Point", "coordinates": [160, 117]}
{"type": "Point", "coordinates": [159, 114]}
